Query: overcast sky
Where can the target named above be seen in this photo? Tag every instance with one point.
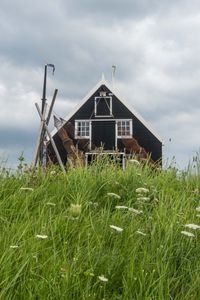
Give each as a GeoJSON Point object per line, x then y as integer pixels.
{"type": "Point", "coordinates": [155, 45]}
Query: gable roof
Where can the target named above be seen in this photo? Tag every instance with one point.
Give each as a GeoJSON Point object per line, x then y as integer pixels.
{"type": "Point", "coordinates": [116, 93]}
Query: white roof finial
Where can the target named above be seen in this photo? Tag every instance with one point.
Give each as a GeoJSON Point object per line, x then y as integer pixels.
{"type": "Point", "coordinates": [102, 77]}
{"type": "Point", "coordinates": [113, 75]}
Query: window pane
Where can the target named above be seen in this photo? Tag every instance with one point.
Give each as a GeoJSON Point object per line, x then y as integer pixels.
{"type": "Point", "coordinates": [123, 128]}
{"type": "Point", "coordinates": [83, 129]}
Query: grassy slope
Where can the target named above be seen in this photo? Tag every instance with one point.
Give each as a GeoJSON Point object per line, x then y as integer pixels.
{"type": "Point", "coordinates": [163, 264]}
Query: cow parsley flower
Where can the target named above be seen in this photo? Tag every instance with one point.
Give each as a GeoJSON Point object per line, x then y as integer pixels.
{"type": "Point", "coordinates": [14, 246]}
{"type": "Point", "coordinates": [134, 162]}
{"type": "Point", "coordinates": [26, 189]}
{"type": "Point", "coordinates": [140, 232]}
{"type": "Point", "coordinates": [136, 211]}
{"type": "Point", "coordinates": [103, 278]}
{"type": "Point", "coordinates": [50, 204]}
{"type": "Point", "coordinates": [196, 191]}
{"type": "Point", "coordinates": [121, 207]}
{"type": "Point", "coordinates": [93, 203]}
{"type": "Point", "coordinates": [143, 198]}
{"type": "Point", "coordinates": [113, 195]}
{"type": "Point", "coordinates": [119, 229]}
{"type": "Point", "coordinates": [41, 236]}
{"type": "Point", "coordinates": [192, 226]}
{"type": "Point", "coordinates": [53, 172]}
{"type": "Point", "coordinates": [187, 233]}
{"type": "Point", "coordinates": [142, 190]}
{"type": "Point", "coordinates": [198, 209]}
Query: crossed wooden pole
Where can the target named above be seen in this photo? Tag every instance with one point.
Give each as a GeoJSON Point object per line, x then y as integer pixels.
{"type": "Point", "coordinates": [43, 130]}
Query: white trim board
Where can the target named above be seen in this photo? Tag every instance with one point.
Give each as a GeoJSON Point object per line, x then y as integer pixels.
{"type": "Point", "coordinates": [102, 120]}
{"type": "Point", "coordinates": [114, 92]}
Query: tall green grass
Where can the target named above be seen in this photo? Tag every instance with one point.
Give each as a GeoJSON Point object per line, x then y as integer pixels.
{"type": "Point", "coordinates": [80, 256]}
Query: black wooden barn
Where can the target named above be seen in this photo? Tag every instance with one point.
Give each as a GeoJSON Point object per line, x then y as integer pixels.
{"type": "Point", "coordinates": [103, 119]}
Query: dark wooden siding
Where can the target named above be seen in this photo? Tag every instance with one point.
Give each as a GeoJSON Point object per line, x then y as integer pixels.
{"type": "Point", "coordinates": [142, 134]}
{"type": "Point", "coordinates": [60, 148]}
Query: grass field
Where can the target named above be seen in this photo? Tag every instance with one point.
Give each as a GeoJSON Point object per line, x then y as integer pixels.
{"type": "Point", "coordinates": [100, 233]}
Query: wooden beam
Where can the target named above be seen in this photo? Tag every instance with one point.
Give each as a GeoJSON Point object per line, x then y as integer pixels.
{"type": "Point", "coordinates": [42, 128]}
{"type": "Point", "coordinates": [51, 107]}
{"type": "Point", "coordinates": [51, 139]}
{"type": "Point", "coordinates": [39, 139]}
{"type": "Point", "coordinates": [44, 156]}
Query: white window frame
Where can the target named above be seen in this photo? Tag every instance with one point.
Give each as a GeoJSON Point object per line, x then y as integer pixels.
{"type": "Point", "coordinates": [76, 129]}
{"type": "Point", "coordinates": [130, 126]}
{"type": "Point", "coordinates": [96, 99]}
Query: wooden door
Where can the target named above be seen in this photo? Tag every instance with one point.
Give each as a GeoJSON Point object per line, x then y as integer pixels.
{"type": "Point", "coordinates": [103, 134]}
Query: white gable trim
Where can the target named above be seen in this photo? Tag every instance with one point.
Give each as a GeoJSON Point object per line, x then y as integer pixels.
{"type": "Point", "coordinates": [115, 92]}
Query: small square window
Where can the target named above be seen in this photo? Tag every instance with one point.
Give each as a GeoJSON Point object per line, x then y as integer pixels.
{"type": "Point", "coordinates": [124, 129]}
{"type": "Point", "coordinates": [102, 94]}
{"type": "Point", "coordinates": [82, 129]}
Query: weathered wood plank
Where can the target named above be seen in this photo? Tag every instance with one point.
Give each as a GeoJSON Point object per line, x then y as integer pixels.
{"type": "Point", "coordinates": [51, 139]}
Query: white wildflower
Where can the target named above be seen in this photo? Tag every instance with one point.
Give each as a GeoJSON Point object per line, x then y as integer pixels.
{"type": "Point", "coordinates": [114, 195]}
{"type": "Point", "coordinates": [14, 246]}
{"type": "Point", "coordinates": [119, 229]}
{"type": "Point", "coordinates": [75, 258]}
{"type": "Point", "coordinates": [140, 232]}
{"type": "Point", "coordinates": [41, 236]}
{"type": "Point", "coordinates": [53, 172]}
{"type": "Point", "coordinates": [198, 209]}
{"type": "Point", "coordinates": [192, 226]}
{"type": "Point", "coordinates": [196, 191]}
{"type": "Point", "coordinates": [198, 215]}
{"type": "Point", "coordinates": [142, 190]}
{"type": "Point", "coordinates": [121, 207]}
{"type": "Point", "coordinates": [75, 210]}
{"type": "Point", "coordinates": [50, 204]}
{"type": "Point", "coordinates": [136, 211]}
{"type": "Point", "coordinates": [93, 203]}
{"type": "Point", "coordinates": [63, 270]}
{"type": "Point", "coordinates": [26, 189]}
{"type": "Point", "coordinates": [73, 218]}
{"type": "Point", "coordinates": [134, 162]}
{"type": "Point", "coordinates": [103, 278]}
{"type": "Point", "coordinates": [143, 198]}
{"type": "Point", "coordinates": [187, 233]}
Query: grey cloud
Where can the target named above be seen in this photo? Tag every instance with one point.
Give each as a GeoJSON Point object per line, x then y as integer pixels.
{"type": "Point", "coordinates": [155, 45]}
{"type": "Point", "coordinates": [14, 142]}
{"type": "Point", "coordinates": [116, 10]}
{"type": "Point", "coordinates": [17, 137]}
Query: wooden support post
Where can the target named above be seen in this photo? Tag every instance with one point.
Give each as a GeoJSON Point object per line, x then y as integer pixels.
{"type": "Point", "coordinates": [51, 139]}
{"type": "Point", "coordinates": [56, 150]}
{"type": "Point", "coordinates": [44, 157]}
{"type": "Point", "coordinates": [41, 133]}
{"type": "Point", "coordinates": [51, 106]}
{"type": "Point", "coordinates": [39, 140]}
